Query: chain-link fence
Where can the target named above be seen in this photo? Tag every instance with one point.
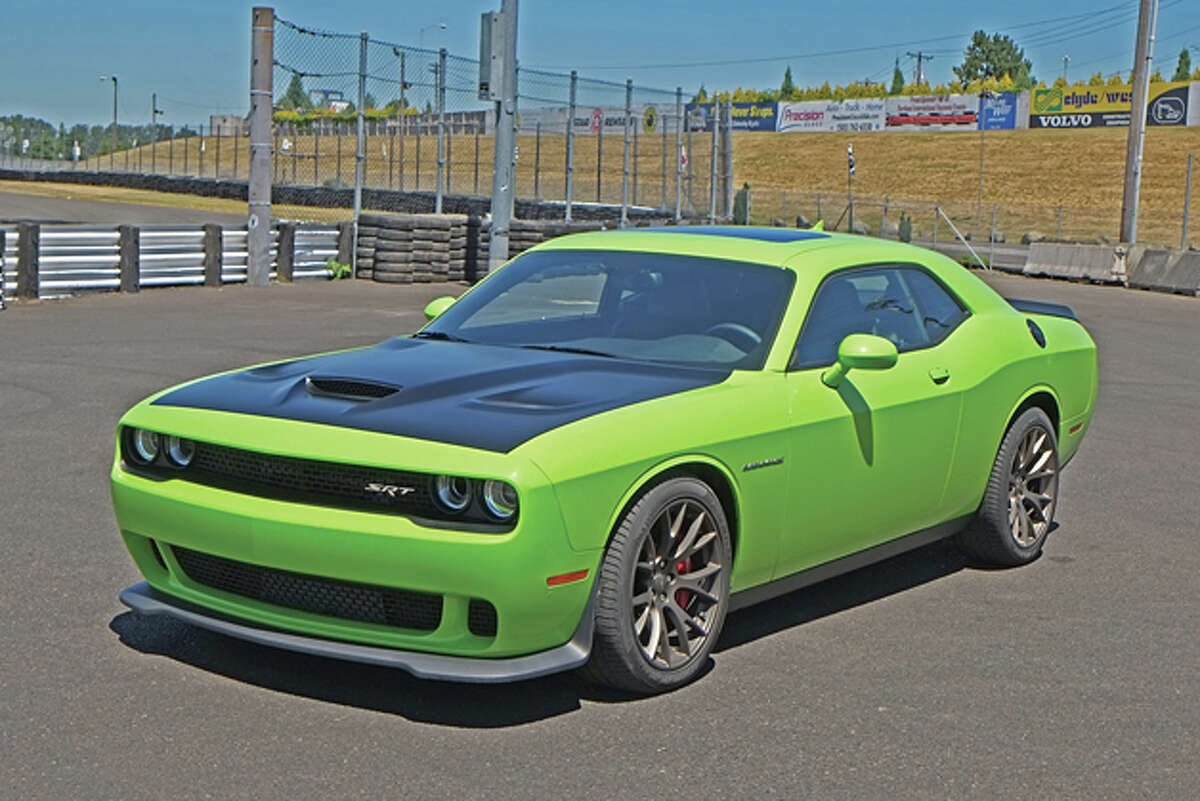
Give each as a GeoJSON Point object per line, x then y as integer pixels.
{"type": "Point", "coordinates": [579, 140]}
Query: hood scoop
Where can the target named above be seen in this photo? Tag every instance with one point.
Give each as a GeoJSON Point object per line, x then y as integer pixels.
{"type": "Point", "coordinates": [355, 389]}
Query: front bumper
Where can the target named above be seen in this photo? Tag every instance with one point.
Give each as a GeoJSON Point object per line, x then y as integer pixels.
{"type": "Point", "coordinates": [146, 600]}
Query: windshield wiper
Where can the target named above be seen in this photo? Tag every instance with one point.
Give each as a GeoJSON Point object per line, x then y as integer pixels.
{"type": "Point", "coordinates": [439, 335]}
{"type": "Point", "coordinates": [568, 349]}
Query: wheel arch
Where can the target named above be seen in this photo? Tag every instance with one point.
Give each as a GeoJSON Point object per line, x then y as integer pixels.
{"type": "Point", "coordinates": [1041, 397]}
{"type": "Point", "coordinates": [705, 468]}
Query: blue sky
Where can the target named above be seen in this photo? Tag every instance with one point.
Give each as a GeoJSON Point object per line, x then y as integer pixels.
{"type": "Point", "coordinates": [195, 55]}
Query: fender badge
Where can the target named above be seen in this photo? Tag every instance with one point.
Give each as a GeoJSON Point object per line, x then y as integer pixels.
{"type": "Point", "coordinates": [763, 463]}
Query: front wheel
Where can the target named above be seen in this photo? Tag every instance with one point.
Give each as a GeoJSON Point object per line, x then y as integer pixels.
{"type": "Point", "coordinates": [1018, 506]}
{"type": "Point", "coordinates": [662, 589]}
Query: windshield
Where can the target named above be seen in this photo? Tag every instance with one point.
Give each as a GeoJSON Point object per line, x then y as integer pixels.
{"type": "Point", "coordinates": [650, 306]}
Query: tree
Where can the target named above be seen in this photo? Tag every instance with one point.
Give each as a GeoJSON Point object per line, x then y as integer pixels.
{"type": "Point", "coordinates": [1184, 69]}
{"type": "Point", "coordinates": [295, 98]}
{"type": "Point", "coordinates": [787, 88]}
{"type": "Point", "coordinates": [701, 96]}
{"type": "Point", "coordinates": [993, 57]}
{"type": "Point", "coordinates": [369, 100]}
{"type": "Point", "coordinates": [897, 79]}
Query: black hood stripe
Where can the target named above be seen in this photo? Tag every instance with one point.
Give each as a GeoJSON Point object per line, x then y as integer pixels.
{"type": "Point", "coordinates": [488, 397]}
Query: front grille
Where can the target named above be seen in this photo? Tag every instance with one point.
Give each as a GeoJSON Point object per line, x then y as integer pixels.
{"type": "Point", "coordinates": [311, 481]}
{"type": "Point", "coordinates": [481, 618]}
{"type": "Point", "coordinates": [321, 596]}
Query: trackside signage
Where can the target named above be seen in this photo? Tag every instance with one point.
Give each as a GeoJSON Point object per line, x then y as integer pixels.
{"type": "Point", "coordinates": [924, 112]}
{"type": "Point", "coordinates": [1083, 106]}
{"type": "Point", "coordinates": [745, 116]}
{"type": "Point", "coordinates": [998, 111]}
{"type": "Point", "coordinates": [864, 114]}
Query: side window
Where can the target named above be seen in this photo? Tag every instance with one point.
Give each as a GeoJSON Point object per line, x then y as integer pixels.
{"type": "Point", "coordinates": [939, 311]}
{"type": "Point", "coordinates": [868, 300]}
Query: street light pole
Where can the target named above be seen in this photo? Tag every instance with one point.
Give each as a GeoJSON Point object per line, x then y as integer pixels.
{"type": "Point", "coordinates": [113, 78]}
{"type": "Point", "coordinates": [421, 33]}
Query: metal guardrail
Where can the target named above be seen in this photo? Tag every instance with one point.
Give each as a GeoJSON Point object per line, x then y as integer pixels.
{"type": "Point", "coordinates": [74, 259]}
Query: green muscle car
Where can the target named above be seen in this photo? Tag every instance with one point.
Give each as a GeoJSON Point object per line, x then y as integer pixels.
{"type": "Point", "coordinates": [592, 456]}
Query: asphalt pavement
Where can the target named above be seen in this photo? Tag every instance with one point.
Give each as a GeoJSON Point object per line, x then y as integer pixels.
{"type": "Point", "coordinates": [21, 207]}
{"type": "Point", "coordinates": [1076, 677]}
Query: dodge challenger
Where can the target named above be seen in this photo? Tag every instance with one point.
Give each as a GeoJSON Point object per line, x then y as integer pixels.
{"type": "Point", "coordinates": [596, 453]}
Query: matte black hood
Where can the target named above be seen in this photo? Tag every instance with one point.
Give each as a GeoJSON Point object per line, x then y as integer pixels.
{"type": "Point", "coordinates": [480, 396]}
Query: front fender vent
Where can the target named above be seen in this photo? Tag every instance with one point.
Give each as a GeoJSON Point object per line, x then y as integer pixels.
{"type": "Point", "coordinates": [348, 388]}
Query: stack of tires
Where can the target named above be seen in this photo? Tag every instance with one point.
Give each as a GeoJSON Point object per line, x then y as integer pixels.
{"type": "Point", "coordinates": [431, 249]}
{"type": "Point", "coordinates": [365, 252]}
{"type": "Point", "coordinates": [392, 262]}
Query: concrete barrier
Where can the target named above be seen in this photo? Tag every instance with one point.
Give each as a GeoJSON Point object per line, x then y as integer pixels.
{"type": "Point", "coordinates": [1103, 263]}
{"type": "Point", "coordinates": [1167, 271]}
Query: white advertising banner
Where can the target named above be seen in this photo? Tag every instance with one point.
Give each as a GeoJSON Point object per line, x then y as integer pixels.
{"type": "Point", "coordinates": [936, 112]}
{"type": "Point", "coordinates": [647, 119]}
{"type": "Point", "coordinates": [865, 114]}
{"type": "Point", "coordinates": [1193, 106]}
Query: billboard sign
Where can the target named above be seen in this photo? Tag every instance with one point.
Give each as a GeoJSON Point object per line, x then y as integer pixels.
{"type": "Point", "coordinates": [938, 112]}
{"type": "Point", "coordinates": [998, 112]}
{"type": "Point", "coordinates": [745, 116]}
{"type": "Point", "coordinates": [1083, 106]}
{"type": "Point", "coordinates": [863, 114]}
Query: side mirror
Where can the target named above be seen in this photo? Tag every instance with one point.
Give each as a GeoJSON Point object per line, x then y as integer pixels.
{"type": "Point", "coordinates": [437, 306]}
{"type": "Point", "coordinates": [861, 351]}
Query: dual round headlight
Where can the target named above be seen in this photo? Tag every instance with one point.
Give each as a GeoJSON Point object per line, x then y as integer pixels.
{"type": "Point", "coordinates": [143, 447]}
{"type": "Point", "coordinates": [498, 498]}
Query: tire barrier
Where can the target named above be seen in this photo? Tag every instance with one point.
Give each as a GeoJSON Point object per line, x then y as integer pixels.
{"type": "Point", "coordinates": [420, 248]}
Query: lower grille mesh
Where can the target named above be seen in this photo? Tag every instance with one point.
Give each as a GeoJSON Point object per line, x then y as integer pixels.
{"type": "Point", "coordinates": [481, 618]}
{"type": "Point", "coordinates": [321, 596]}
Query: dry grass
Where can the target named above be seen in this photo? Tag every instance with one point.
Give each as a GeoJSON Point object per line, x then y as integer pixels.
{"type": "Point", "coordinates": [1027, 175]}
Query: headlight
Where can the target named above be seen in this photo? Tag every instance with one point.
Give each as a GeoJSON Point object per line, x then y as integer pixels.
{"type": "Point", "coordinates": [500, 499]}
{"type": "Point", "coordinates": [180, 451]}
{"type": "Point", "coordinates": [453, 493]}
{"type": "Point", "coordinates": [145, 445]}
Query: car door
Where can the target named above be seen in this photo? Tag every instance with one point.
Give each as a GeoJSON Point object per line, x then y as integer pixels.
{"type": "Point", "coordinates": [869, 460]}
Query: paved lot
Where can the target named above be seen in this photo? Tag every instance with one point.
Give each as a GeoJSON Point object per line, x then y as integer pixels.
{"type": "Point", "coordinates": [1075, 677]}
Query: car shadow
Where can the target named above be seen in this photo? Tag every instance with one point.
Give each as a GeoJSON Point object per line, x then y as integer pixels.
{"type": "Point", "coordinates": [392, 691]}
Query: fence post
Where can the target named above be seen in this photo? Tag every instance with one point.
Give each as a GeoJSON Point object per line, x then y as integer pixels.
{"type": "Point", "coordinates": [992, 238]}
{"type": "Point", "coordinates": [599, 159]}
{"type": "Point", "coordinates": [537, 161]}
{"type": "Point", "coordinates": [625, 171]}
{"type": "Point", "coordinates": [345, 241]}
{"type": "Point", "coordinates": [678, 153]}
{"type": "Point", "coordinates": [570, 144]}
{"type": "Point", "coordinates": [1058, 226]}
{"type": "Point", "coordinates": [712, 178]}
{"type": "Point", "coordinates": [285, 253]}
{"type": "Point", "coordinates": [129, 246]}
{"type": "Point", "coordinates": [635, 161]}
{"type": "Point", "coordinates": [258, 225]}
{"type": "Point", "coordinates": [727, 159]}
{"type": "Point", "coordinates": [213, 254]}
{"type": "Point", "coordinates": [316, 153]}
{"type": "Point", "coordinates": [1187, 202]}
{"type": "Point", "coordinates": [937, 213]}
{"type": "Point", "coordinates": [476, 160]}
{"type": "Point", "coordinates": [441, 129]}
{"type": "Point", "coordinates": [883, 221]}
{"type": "Point", "coordinates": [819, 217]}
{"type": "Point", "coordinates": [360, 155]}
{"type": "Point", "coordinates": [28, 237]}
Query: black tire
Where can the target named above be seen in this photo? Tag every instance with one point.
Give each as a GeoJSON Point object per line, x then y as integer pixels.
{"type": "Point", "coordinates": [1017, 511]}
{"type": "Point", "coordinates": [673, 518]}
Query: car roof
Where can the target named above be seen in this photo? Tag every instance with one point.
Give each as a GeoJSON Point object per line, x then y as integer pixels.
{"type": "Point", "coordinates": [762, 245]}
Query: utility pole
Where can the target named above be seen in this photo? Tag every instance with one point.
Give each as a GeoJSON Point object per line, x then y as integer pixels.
{"type": "Point", "coordinates": [258, 224]}
{"type": "Point", "coordinates": [920, 57]}
{"type": "Point", "coordinates": [1147, 19]}
{"type": "Point", "coordinates": [498, 82]}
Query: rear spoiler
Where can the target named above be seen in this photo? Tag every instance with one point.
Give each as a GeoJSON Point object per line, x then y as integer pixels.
{"type": "Point", "coordinates": [1039, 307]}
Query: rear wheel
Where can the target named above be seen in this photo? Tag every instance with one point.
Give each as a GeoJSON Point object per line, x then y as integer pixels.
{"type": "Point", "coordinates": [1018, 507]}
{"type": "Point", "coordinates": [662, 590]}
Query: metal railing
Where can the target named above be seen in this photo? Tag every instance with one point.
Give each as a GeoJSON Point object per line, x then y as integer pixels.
{"type": "Point", "coordinates": [86, 258]}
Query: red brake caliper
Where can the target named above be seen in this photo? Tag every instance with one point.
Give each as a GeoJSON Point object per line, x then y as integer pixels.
{"type": "Point", "coordinates": [683, 597]}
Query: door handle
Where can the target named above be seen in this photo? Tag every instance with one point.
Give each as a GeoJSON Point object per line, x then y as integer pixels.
{"type": "Point", "coordinates": [940, 375]}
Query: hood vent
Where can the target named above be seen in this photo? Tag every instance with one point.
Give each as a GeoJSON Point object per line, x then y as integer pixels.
{"type": "Point", "coordinates": [348, 388]}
